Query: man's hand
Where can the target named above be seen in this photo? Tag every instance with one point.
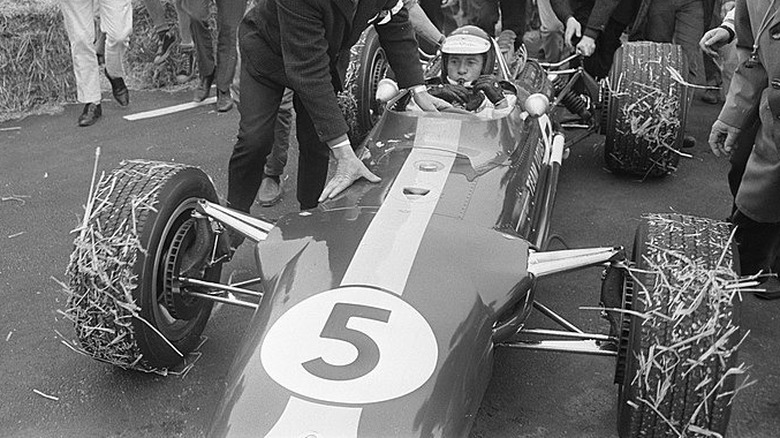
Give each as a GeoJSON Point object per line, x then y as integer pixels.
{"type": "Point", "coordinates": [426, 102]}
{"type": "Point", "coordinates": [348, 170]}
{"type": "Point", "coordinates": [714, 39]}
{"type": "Point", "coordinates": [488, 84]}
{"type": "Point", "coordinates": [722, 138]}
{"type": "Point", "coordinates": [449, 93]}
{"type": "Point", "coordinates": [573, 28]}
{"type": "Point", "coordinates": [586, 46]}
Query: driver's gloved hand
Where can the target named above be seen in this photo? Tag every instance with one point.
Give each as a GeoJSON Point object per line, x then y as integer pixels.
{"type": "Point", "coordinates": [454, 94]}
{"type": "Point", "coordinates": [489, 85]}
{"type": "Point", "coordinates": [475, 101]}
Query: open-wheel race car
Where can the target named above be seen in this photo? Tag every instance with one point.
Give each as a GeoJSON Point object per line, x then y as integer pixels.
{"type": "Point", "coordinates": [379, 312]}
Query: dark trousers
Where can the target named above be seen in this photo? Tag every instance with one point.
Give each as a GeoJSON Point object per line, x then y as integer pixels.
{"type": "Point", "coordinates": [711, 21]}
{"type": "Point", "coordinates": [229, 13]}
{"type": "Point", "coordinates": [484, 14]}
{"type": "Point", "coordinates": [682, 22]}
{"type": "Point", "coordinates": [607, 43]}
{"type": "Point", "coordinates": [259, 105]}
{"type": "Point", "coordinates": [757, 244]}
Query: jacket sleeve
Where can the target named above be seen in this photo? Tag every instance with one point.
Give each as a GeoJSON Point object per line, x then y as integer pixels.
{"type": "Point", "coordinates": [748, 82]}
{"type": "Point", "coordinates": [599, 16]}
{"type": "Point", "coordinates": [306, 65]}
{"type": "Point", "coordinates": [396, 36]}
{"type": "Point", "coordinates": [562, 10]}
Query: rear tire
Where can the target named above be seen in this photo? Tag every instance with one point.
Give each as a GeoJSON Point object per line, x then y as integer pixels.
{"type": "Point", "coordinates": [675, 259]}
{"type": "Point", "coordinates": [137, 298]}
{"type": "Point", "coordinates": [367, 66]}
{"type": "Point", "coordinates": [646, 110]}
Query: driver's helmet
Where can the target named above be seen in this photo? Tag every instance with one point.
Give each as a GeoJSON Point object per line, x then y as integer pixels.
{"type": "Point", "coordinates": [468, 40]}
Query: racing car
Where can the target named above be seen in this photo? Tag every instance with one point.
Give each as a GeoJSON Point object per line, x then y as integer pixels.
{"type": "Point", "coordinates": [379, 312]}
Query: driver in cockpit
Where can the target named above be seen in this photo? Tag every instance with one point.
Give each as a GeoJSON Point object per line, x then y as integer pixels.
{"type": "Point", "coordinates": [467, 80]}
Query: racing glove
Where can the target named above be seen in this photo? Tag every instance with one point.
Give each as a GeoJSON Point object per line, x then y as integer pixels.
{"type": "Point", "coordinates": [475, 101]}
{"type": "Point", "coordinates": [454, 94]}
{"type": "Point", "coordinates": [489, 85]}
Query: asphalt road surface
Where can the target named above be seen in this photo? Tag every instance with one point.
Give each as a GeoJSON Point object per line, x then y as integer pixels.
{"type": "Point", "coordinates": [45, 171]}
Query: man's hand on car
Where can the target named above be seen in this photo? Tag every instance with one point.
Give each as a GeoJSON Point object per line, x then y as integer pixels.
{"type": "Point", "coordinates": [723, 137]}
{"type": "Point", "coordinates": [348, 170]}
{"type": "Point", "coordinates": [426, 102]}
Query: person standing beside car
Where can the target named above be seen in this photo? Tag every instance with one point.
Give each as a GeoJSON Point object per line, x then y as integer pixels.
{"type": "Point", "coordinates": [755, 81]}
{"type": "Point", "coordinates": [297, 44]}
{"type": "Point", "coordinates": [116, 20]}
{"type": "Point", "coordinates": [219, 70]}
{"type": "Point", "coordinates": [594, 27]}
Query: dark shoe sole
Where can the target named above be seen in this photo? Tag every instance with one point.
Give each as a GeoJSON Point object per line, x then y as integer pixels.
{"type": "Point", "coordinates": [225, 108]}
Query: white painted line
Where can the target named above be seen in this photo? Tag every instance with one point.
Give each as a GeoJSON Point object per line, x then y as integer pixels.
{"type": "Point", "coordinates": [169, 110]}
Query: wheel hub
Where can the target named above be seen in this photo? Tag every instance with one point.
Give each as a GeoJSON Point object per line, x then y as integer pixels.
{"type": "Point", "coordinates": [179, 304]}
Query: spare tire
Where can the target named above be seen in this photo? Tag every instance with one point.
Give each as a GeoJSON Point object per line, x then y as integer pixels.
{"type": "Point", "coordinates": [677, 363]}
{"type": "Point", "coordinates": [646, 109]}
{"type": "Point", "coordinates": [125, 299]}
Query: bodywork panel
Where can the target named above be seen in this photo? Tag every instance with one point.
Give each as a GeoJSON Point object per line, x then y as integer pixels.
{"type": "Point", "coordinates": [379, 307]}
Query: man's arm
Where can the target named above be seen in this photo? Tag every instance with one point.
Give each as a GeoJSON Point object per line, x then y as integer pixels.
{"type": "Point", "coordinates": [396, 36]}
{"type": "Point", "coordinates": [422, 25]}
{"type": "Point", "coordinates": [306, 64]}
{"type": "Point", "coordinates": [744, 91]}
{"type": "Point", "coordinates": [599, 16]}
{"type": "Point", "coordinates": [749, 79]}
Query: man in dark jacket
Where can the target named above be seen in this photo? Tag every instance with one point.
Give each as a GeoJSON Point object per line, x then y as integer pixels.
{"type": "Point", "coordinates": [604, 22]}
{"type": "Point", "coordinates": [297, 44]}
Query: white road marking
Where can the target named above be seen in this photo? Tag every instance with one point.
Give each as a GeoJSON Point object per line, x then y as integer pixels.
{"type": "Point", "coordinates": [169, 110]}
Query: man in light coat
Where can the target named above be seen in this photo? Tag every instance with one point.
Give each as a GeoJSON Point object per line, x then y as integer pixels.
{"type": "Point", "coordinates": [756, 82]}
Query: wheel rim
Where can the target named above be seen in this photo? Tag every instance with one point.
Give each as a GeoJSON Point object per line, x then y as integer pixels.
{"type": "Point", "coordinates": [178, 226]}
{"type": "Point", "coordinates": [378, 72]}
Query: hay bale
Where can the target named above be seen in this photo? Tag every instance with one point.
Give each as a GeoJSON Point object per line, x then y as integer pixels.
{"type": "Point", "coordinates": [37, 71]}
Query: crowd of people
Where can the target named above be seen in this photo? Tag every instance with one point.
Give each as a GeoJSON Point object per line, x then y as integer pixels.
{"type": "Point", "coordinates": [292, 56]}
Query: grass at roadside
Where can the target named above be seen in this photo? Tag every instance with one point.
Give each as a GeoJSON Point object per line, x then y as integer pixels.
{"type": "Point", "coordinates": [36, 64]}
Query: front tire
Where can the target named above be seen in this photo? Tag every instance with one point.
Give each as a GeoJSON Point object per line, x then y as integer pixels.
{"type": "Point", "coordinates": [131, 311]}
{"type": "Point", "coordinates": [676, 366]}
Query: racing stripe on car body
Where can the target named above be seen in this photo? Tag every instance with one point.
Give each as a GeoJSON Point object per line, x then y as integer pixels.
{"type": "Point", "coordinates": [384, 259]}
{"type": "Point", "coordinates": [386, 253]}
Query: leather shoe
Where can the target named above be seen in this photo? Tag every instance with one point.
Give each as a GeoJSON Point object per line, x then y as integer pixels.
{"type": "Point", "coordinates": [270, 191]}
{"type": "Point", "coordinates": [688, 142]}
{"type": "Point", "coordinates": [119, 90]}
{"type": "Point", "coordinates": [90, 115]}
{"type": "Point", "coordinates": [770, 288]}
{"type": "Point", "coordinates": [711, 96]}
{"type": "Point", "coordinates": [204, 89]}
{"type": "Point", "coordinates": [224, 101]}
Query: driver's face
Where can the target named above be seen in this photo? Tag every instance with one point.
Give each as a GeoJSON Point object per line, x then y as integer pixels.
{"type": "Point", "coordinates": [464, 68]}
